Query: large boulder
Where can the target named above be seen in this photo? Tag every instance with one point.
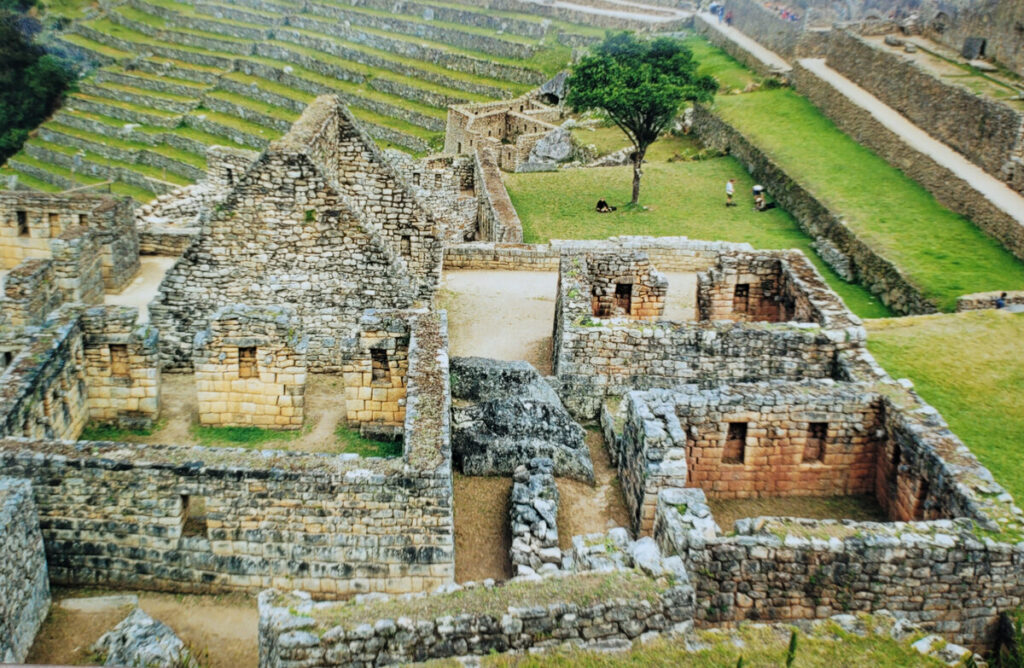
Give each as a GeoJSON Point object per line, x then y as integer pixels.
{"type": "Point", "coordinates": [140, 640]}
{"type": "Point", "coordinates": [504, 414]}
{"type": "Point", "coordinates": [553, 147]}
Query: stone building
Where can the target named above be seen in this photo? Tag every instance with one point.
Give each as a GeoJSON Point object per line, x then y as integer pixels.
{"type": "Point", "coordinates": [509, 128]}
{"type": "Point", "coordinates": [32, 223]}
{"type": "Point", "coordinates": [250, 366]}
{"type": "Point", "coordinates": [623, 285]}
{"type": "Point", "coordinates": [319, 223]}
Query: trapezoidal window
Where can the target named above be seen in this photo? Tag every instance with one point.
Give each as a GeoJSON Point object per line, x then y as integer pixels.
{"type": "Point", "coordinates": [406, 245]}
{"type": "Point", "coordinates": [247, 362]}
{"type": "Point", "coordinates": [54, 224]}
{"type": "Point", "coordinates": [22, 223]}
{"type": "Point", "coordinates": [118, 360]}
{"type": "Point", "coordinates": [193, 515]}
{"type": "Point", "coordinates": [741, 298]}
{"type": "Point", "coordinates": [6, 358]}
{"type": "Point", "coordinates": [230, 176]}
{"type": "Point", "coordinates": [437, 180]}
{"type": "Point", "coordinates": [83, 219]}
{"type": "Point", "coordinates": [624, 296]}
{"type": "Point", "coordinates": [814, 446]}
{"type": "Point", "coordinates": [735, 449]}
{"type": "Point", "coordinates": [380, 368]}
{"type": "Point", "coordinates": [416, 175]}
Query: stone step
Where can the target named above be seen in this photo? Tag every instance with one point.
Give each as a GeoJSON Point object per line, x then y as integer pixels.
{"type": "Point", "coordinates": [141, 23]}
{"type": "Point", "coordinates": [62, 179]}
{"type": "Point", "coordinates": [119, 37]}
{"type": "Point", "coordinates": [239, 131]}
{"type": "Point", "coordinates": [253, 111]}
{"type": "Point", "coordinates": [84, 48]}
{"type": "Point", "coordinates": [150, 178]}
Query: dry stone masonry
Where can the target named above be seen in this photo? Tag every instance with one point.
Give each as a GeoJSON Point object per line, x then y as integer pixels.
{"type": "Point", "coordinates": [251, 369]}
{"type": "Point", "coordinates": [24, 584]}
{"type": "Point", "coordinates": [533, 516]}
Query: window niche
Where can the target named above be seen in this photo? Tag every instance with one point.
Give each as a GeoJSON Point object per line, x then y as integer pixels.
{"type": "Point", "coordinates": [193, 515]}
{"type": "Point", "coordinates": [22, 223]}
{"type": "Point", "coordinates": [624, 297]}
{"type": "Point", "coordinates": [814, 445]}
{"type": "Point", "coordinates": [741, 298]}
{"type": "Point", "coordinates": [380, 366]}
{"type": "Point", "coordinates": [119, 367]}
{"type": "Point", "coordinates": [247, 362]}
{"type": "Point", "coordinates": [735, 449]}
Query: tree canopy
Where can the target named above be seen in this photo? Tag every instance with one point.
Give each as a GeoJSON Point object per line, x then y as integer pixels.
{"type": "Point", "coordinates": [31, 83]}
{"type": "Point", "coordinates": [640, 86]}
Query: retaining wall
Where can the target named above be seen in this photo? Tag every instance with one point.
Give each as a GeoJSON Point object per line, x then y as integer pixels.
{"type": "Point", "coordinates": [24, 584]}
{"type": "Point", "coordinates": [869, 267]}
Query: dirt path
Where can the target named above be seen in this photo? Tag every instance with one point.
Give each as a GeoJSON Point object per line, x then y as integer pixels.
{"type": "Point", "coordinates": [505, 315]}
{"type": "Point", "coordinates": [771, 60]}
{"type": "Point", "coordinates": [584, 509]}
{"type": "Point", "coordinates": [144, 287]}
{"type": "Point", "coordinates": [681, 300]}
{"type": "Point", "coordinates": [482, 536]}
{"type": "Point", "coordinates": [995, 191]}
{"type": "Point", "coordinates": [220, 630]}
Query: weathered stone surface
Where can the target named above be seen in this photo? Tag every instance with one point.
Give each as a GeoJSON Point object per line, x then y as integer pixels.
{"type": "Point", "coordinates": [533, 516]}
{"type": "Point", "coordinates": [24, 581]}
{"type": "Point", "coordinates": [509, 416]}
{"type": "Point", "coordinates": [140, 640]}
{"type": "Point", "coordinates": [553, 147]}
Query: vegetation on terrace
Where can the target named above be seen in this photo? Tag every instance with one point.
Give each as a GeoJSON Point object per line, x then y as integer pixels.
{"type": "Point", "coordinates": [684, 198]}
{"type": "Point", "coordinates": [943, 253]}
{"type": "Point", "coordinates": [402, 98]}
{"type": "Point", "coordinates": [969, 366]}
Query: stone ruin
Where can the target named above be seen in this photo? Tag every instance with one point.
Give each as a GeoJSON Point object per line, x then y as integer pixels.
{"type": "Point", "coordinates": [323, 256]}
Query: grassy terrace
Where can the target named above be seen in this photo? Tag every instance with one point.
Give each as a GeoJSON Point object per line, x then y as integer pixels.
{"type": "Point", "coordinates": [126, 31]}
{"type": "Point", "coordinates": [943, 253]}
{"type": "Point", "coordinates": [978, 388]}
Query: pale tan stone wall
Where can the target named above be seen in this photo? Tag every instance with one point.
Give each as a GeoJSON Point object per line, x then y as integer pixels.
{"type": "Point", "coordinates": [375, 377]}
{"type": "Point", "coordinates": [250, 369]}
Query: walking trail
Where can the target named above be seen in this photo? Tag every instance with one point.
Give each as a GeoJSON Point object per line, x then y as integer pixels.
{"type": "Point", "coordinates": [998, 193]}
{"type": "Point", "coordinates": [771, 60]}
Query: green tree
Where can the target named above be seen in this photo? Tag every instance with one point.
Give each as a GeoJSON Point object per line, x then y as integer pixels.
{"type": "Point", "coordinates": [640, 86]}
{"type": "Point", "coordinates": [31, 83]}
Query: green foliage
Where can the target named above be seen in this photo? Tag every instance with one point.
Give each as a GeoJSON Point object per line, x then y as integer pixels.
{"type": "Point", "coordinates": [245, 437]}
{"type": "Point", "coordinates": [353, 442]}
{"type": "Point", "coordinates": [791, 650]}
{"type": "Point", "coordinates": [108, 432]}
{"type": "Point", "coordinates": [31, 81]}
{"type": "Point", "coordinates": [640, 86]}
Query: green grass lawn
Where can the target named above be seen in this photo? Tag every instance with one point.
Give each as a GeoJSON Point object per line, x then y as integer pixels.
{"type": "Point", "coordinates": [970, 367]}
{"type": "Point", "coordinates": [682, 199]}
{"type": "Point", "coordinates": [943, 253]}
{"type": "Point", "coordinates": [731, 75]}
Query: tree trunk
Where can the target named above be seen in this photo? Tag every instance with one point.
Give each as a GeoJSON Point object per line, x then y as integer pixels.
{"type": "Point", "coordinates": [638, 161]}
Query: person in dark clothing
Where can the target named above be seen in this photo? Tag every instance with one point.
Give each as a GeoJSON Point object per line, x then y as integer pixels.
{"type": "Point", "coordinates": [1001, 301]}
{"type": "Point", "coordinates": [602, 206]}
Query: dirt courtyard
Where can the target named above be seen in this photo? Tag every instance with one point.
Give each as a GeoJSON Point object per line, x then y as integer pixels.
{"type": "Point", "coordinates": [221, 631]}
{"type": "Point", "coordinates": [509, 315]}
{"type": "Point", "coordinates": [144, 286]}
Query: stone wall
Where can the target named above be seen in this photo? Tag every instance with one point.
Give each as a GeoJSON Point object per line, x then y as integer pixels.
{"type": "Point", "coordinates": [24, 585]}
{"type": "Point", "coordinates": [445, 184]}
{"type": "Point", "coordinates": [940, 574]}
{"type": "Point", "coordinates": [31, 220]}
{"type": "Point", "coordinates": [250, 368]}
{"type": "Point", "coordinates": [375, 373]}
{"type": "Point", "coordinates": [986, 300]}
{"type": "Point", "coordinates": [751, 288]}
{"type": "Point", "coordinates": [949, 189]}
{"type": "Point", "coordinates": [786, 38]}
{"type": "Point", "coordinates": [43, 393]}
{"type": "Point", "coordinates": [624, 285]}
{"type": "Point", "coordinates": [993, 137]}
{"type": "Point", "coordinates": [30, 294]}
{"type": "Point", "coordinates": [721, 39]}
{"type": "Point", "coordinates": [533, 517]}
{"type": "Point", "coordinates": [320, 224]}
{"type": "Point", "coordinates": [626, 591]}
{"type": "Point", "coordinates": [598, 358]}
{"type": "Point", "coordinates": [510, 128]}
{"type": "Point", "coordinates": [223, 519]}
{"type": "Point", "coordinates": [497, 219]}
{"type": "Point", "coordinates": [869, 267]}
{"type": "Point", "coordinates": [77, 266]}
{"type": "Point", "coordinates": [952, 21]}
{"type": "Point", "coordinates": [122, 368]}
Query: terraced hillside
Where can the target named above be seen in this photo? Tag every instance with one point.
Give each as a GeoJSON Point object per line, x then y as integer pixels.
{"type": "Point", "coordinates": [172, 78]}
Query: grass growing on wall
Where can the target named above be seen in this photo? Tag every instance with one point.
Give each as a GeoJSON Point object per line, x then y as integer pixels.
{"type": "Point", "coordinates": [682, 199]}
{"type": "Point", "coordinates": [970, 367]}
{"type": "Point", "coordinates": [110, 432]}
{"type": "Point", "coordinates": [732, 76]}
{"type": "Point", "coordinates": [243, 437]}
{"type": "Point", "coordinates": [351, 441]}
{"type": "Point", "coordinates": [940, 251]}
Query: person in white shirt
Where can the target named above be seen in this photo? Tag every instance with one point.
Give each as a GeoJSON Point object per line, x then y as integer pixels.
{"type": "Point", "coordinates": [730, 189]}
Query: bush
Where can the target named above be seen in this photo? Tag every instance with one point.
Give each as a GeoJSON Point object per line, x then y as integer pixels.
{"type": "Point", "coordinates": [32, 82]}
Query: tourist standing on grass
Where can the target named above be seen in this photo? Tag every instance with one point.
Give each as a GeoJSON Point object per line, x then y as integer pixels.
{"type": "Point", "coordinates": [730, 190]}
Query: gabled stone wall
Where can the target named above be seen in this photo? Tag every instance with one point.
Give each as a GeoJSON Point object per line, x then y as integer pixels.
{"type": "Point", "coordinates": [755, 288]}
{"type": "Point", "coordinates": [78, 267]}
{"type": "Point", "coordinates": [624, 285]}
{"type": "Point", "coordinates": [24, 585]}
{"type": "Point", "coordinates": [445, 185]}
{"type": "Point", "coordinates": [316, 225]}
